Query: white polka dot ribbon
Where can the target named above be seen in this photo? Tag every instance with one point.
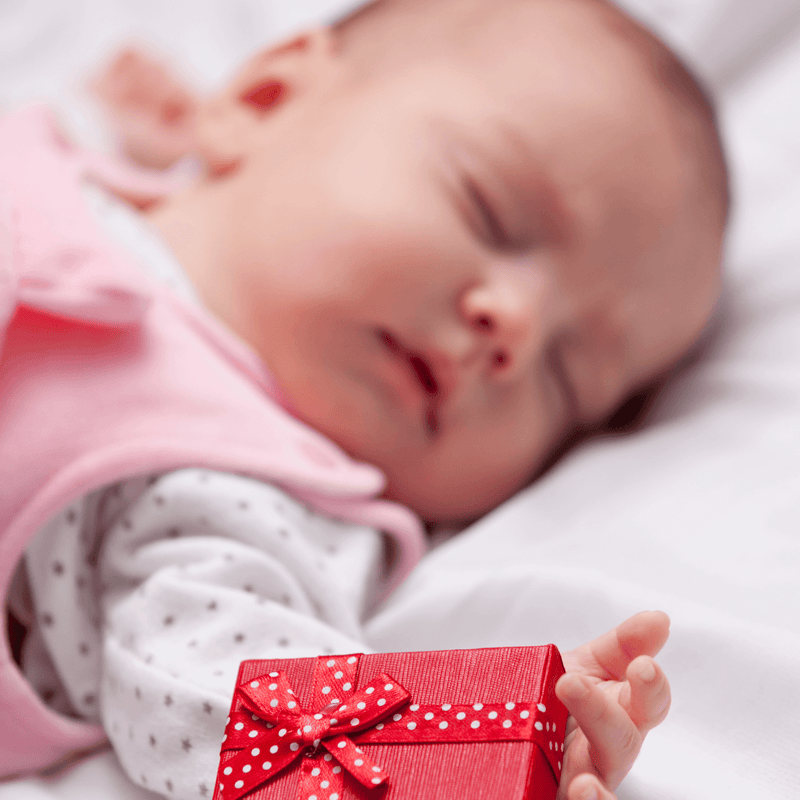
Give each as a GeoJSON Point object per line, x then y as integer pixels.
{"type": "Point", "coordinates": [476, 722]}
{"type": "Point", "coordinates": [276, 731]}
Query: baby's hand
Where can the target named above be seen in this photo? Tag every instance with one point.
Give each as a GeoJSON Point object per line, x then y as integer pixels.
{"type": "Point", "coordinates": [152, 112]}
{"type": "Point", "coordinates": [615, 694]}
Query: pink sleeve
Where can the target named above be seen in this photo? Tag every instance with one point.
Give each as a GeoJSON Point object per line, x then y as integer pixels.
{"type": "Point", "coordinates": [54, 254]}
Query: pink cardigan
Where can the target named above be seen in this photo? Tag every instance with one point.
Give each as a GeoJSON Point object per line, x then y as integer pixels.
{"type": "Point", "coordinates": [104, 375]}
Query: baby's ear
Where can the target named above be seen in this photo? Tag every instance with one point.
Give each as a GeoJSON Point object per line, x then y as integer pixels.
{"type": "Point", "coordinates": [272, 78]}
{"type": "Point", "coordinates": [316, 44]}
{"type": "Point", "coordinates": [295, 65]}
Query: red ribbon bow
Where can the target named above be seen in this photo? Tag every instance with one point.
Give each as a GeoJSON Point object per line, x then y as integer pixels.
{"type": "Point", "coordinates": [291, 731]}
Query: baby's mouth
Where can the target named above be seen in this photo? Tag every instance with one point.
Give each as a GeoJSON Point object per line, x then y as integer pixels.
{"type": "Point", "coordinates": [424, 375]}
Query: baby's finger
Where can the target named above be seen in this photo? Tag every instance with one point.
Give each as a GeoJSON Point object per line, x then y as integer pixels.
{"type": "Point", "coordinates": [614, 741]}
{"type": "Point", "coordinates": [608, 656]}
{"type": "Point", "coordinates": [588, 787]}
{"type": "Point", "coordinates": [649, 695]}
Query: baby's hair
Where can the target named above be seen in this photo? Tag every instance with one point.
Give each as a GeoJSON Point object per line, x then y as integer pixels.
{"type": "Point", "coordinates": [696, 116]}
{"type": "Point", "coordinates": [383, 33]}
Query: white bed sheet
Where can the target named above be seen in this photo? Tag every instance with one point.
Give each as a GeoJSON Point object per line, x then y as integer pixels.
{"type": "Point", "coordinates": [699, 514]}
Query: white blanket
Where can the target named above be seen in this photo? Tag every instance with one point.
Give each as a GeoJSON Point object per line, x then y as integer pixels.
{"type": "Point", "coordinates": [698, 514]}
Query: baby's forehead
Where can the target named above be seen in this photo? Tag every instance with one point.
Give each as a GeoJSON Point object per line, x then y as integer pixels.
{"type": "Point", "coordinates": [528, 57]}
{"type": "Point", "coordinates": [393, 32]}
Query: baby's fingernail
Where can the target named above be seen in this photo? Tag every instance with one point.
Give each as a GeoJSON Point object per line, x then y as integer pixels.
{"type": "Point", "coordinates": [648, 672]}
{"type": "Point", "coordinates": [589, 793]}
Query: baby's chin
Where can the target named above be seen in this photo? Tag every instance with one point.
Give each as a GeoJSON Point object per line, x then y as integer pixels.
{"type": "Point", "coordinates": [450, 502]}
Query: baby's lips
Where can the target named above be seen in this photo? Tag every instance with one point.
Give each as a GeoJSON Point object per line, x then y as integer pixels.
{"type": "Point", "coordinates": [445, 373]}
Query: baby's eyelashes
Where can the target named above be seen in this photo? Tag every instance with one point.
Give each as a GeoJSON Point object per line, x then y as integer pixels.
{"type": "Point", "coordinates": [556, 365]}
{"type": "Point", "coordinates": [489, 225]}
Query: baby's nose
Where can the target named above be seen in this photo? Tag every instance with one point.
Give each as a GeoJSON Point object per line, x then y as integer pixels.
{"type": "Point", "coordinates": [508, 312]}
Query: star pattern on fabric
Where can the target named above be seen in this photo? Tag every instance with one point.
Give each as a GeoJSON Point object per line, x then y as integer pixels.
{"type": "Point", "coordinates": [167, 621]}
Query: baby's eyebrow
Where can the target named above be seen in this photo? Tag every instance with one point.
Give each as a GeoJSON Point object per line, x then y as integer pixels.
{"type": "Point", "coordinates": [526, 194]}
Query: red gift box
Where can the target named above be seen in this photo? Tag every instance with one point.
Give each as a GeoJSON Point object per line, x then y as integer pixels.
{"type": "Point", "coordinates": [396, 726]}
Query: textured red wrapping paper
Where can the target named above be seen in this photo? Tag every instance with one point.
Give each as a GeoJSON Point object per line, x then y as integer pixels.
{"type": "Point", "coordinates": [460, 724]}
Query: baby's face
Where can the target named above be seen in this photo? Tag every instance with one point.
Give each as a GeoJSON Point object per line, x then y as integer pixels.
{"type": "Point", "coordinates": [449, 269]}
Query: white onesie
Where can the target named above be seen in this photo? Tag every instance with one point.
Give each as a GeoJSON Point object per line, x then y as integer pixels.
{"type": "Point", "coordinates": [149, 593]}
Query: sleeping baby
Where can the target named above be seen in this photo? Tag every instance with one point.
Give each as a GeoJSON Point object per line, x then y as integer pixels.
{"type": "Point", "coordinates": [429, 245]}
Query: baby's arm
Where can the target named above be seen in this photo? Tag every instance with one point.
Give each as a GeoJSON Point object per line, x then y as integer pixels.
{"type": "Point", "coordinates": [615, 693]}
{"type": "Point", "coordinates": [151, 110]}
{"type": "Point", "coordinates": [196, 571]}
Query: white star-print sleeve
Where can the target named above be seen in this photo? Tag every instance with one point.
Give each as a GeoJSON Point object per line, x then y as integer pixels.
{"type": "Point", "coordinates": [201, 571]}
